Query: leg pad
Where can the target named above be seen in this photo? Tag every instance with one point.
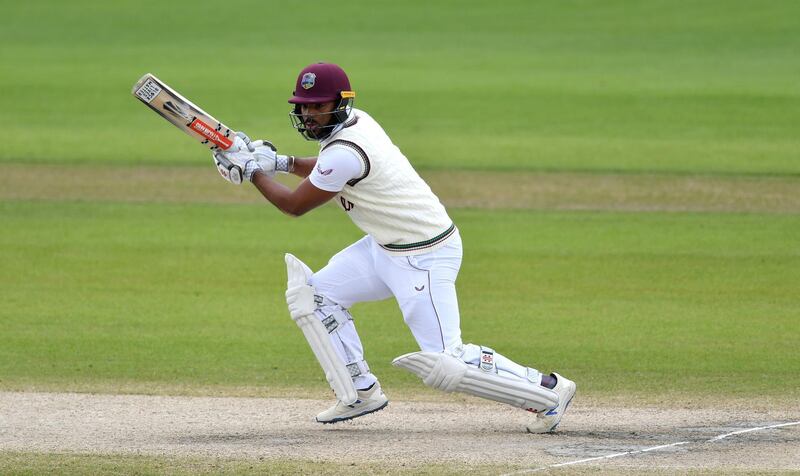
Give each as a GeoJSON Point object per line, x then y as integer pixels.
{"type": "Point", "coordinates": [443, 371]}
{"type": "Point", "coordinates": [336, 373]}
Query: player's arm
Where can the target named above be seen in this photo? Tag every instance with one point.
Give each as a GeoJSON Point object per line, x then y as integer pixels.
{"type": "Point", "coordinates": [325, 177]}
{"type": "Point", "coordinates": [290, 164]}
{"type": "Point", "coordinates": [303, 166]}
{"type": "Point", "coordinates": [304, 198]}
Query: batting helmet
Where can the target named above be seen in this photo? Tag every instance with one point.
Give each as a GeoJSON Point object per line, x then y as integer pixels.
{"type": "Point", "coordinates": [321, 83]}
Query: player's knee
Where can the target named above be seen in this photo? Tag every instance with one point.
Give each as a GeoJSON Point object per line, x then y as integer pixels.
{"type": "Point", "coordinates": [325, 285]}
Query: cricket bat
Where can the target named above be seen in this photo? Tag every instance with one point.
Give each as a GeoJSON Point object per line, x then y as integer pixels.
{"type": "Point", "coordinates": [184, 114]}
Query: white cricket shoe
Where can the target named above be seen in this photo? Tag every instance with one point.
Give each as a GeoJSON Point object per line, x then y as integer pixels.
{"type": "Point", "coordinates": [369, 400]}
{"type": "Point", "coordinates": [548, 421]}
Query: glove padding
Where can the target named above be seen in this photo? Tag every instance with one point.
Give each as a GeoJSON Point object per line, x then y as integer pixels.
{"type": "Point", "coordinates": [245, 157]}
{"type": "Point", "coordinates": [231, 165]}
{"type": "Point", "coordinates": [244, 143]}
{"type": "Point", "coordinates": [264, 159]}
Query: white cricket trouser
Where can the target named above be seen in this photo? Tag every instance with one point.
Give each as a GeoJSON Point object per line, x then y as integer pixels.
{"type": "Point", "coordinates": [423, 285]}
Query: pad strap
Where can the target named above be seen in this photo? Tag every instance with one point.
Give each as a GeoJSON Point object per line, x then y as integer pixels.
{"type": "Point", "coordinates": [335, 315]}
{"type": "Point", "coordinates": [358, 368]}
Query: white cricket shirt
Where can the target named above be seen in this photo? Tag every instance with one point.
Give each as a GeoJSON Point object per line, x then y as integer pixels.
{"type": "Point", "coordinates": [381, 192]}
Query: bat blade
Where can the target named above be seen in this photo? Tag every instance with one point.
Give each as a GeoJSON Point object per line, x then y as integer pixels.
{"type": "Point", "coordinates": [181, 112]}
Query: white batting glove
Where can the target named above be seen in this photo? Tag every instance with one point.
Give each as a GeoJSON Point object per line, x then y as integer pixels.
{"type": "Point", "coordinates": [268, 161]}
{"type": "Point", "coordinates": [283, 163]}
{"type": "Point", "coordinates": [235, 165]}
{"type": "Point", "coordinates": [264, 155]}
{"type": "Point", "coordinates": [231, 165]}
{"type": "Point", "coordinates": [242, 142]}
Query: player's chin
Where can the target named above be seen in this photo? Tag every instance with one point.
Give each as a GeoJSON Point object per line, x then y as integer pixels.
{"type": "Point", "coordinates": [313, 132]}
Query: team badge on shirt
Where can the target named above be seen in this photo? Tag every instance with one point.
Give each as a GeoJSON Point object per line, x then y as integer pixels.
{"type": "Point", "coordinates": [308, 80]}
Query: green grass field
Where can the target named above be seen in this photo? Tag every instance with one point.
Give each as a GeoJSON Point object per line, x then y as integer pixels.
{"type": "Point", "coordinates": [135, 293]}
{"type": "Point", "coordinates": [675, 86]}
{"type": "Point", "coordinates": [141, 295]}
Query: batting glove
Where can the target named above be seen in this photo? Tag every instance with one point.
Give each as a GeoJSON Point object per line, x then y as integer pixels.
{"type": "Point", "coordinates": [264, 159]}
{"type": "Point", "coordinates": [231, 165]}
{"type": "Point", "coordinates": [242, 142]}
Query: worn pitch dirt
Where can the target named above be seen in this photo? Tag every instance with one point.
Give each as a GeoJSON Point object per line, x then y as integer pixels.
{"type": "Point", "coordinates": [407, 432]}
{"type": "Point", "coordinates": [473, 189]}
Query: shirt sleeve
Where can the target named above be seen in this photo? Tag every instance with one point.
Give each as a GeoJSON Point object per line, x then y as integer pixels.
{"type": "Point", "coordinates": [335, 167]}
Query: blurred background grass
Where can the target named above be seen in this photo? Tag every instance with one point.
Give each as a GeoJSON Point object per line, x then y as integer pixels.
{"type": "Point", "coordinates": [676, 86]}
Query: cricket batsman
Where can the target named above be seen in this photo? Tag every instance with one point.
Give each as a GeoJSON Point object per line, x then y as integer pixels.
{"type": "Point", "coordinates": [411, 251]}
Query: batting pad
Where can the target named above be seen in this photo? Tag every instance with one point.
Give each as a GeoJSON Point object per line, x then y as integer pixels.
{"type": "Point", "coordinates": [337, 375]}
{"type": "Point", "coordinates": [444, 372]}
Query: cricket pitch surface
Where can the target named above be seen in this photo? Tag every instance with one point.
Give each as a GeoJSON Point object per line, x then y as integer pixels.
{"type": "Point", "coordinates": [593, 436]}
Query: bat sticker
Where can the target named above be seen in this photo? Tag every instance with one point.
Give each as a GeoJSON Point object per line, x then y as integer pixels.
{"type": "Point", "coordinates": [182, 113]}
{"type": "Point", "coordinates": [148, 91]}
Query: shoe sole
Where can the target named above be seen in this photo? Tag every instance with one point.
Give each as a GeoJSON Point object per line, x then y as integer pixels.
{"type": "Point", "coordinates": [337, 420]}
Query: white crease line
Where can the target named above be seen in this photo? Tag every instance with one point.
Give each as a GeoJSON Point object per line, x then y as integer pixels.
{"type": "Point", "coordinates": [652, 448]}
{"type": "Point", "coordinates": [597, 458]}
{"type": "Point", "coordinates": [721, 437]}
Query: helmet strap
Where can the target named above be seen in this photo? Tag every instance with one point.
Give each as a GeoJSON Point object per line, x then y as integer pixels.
{"type": "Point", "coordinates": [342, 110]}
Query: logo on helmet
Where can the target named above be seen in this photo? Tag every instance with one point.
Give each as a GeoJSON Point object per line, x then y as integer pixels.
{"type": "Point", "coordinates": [308, 80]}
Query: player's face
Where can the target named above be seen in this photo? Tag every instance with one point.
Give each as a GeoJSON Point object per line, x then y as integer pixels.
{"type": "Point", "coordinates": [316, 116]}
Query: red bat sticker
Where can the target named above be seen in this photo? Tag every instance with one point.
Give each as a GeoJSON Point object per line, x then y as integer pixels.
{"type": "Point", "coordinates": [212, 135]}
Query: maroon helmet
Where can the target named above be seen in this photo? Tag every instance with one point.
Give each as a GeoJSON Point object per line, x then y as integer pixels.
{"type": "Point", "coordinates": [321, 83]}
